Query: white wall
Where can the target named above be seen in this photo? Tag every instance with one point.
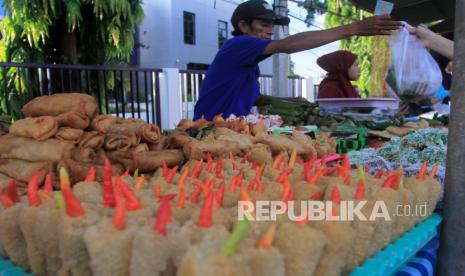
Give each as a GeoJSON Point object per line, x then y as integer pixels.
{"type": "Point", "coordinates": [162, 32]}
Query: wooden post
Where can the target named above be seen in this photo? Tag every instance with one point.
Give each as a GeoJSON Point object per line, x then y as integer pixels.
{"type": "Point", "coordinates": [452, 248]}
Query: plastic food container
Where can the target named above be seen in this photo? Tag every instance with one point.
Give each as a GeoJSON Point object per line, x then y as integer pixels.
{"type": "Point", "coordinates": [388, 103]}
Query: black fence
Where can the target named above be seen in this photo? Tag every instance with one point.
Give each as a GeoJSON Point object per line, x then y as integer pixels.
{"type": "Point", "coordinates": [122, 91]}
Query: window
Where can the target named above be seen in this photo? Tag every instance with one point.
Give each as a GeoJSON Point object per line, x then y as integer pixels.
{"type": "Point", "coordinates": [222, 32]}
{"type": "Point", "coordinates": [189, 28]}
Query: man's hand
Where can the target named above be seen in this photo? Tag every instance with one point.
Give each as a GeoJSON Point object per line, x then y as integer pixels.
{"type": "Point", "coordinates": [375, 25]}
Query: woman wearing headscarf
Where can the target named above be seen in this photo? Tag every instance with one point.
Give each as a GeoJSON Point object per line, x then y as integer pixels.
{"type": "Point", "coordinates": [342, 68]}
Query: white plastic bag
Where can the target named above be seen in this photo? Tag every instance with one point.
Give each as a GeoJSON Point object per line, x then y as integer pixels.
{"type": "Point", "coordinates": [416, 73]}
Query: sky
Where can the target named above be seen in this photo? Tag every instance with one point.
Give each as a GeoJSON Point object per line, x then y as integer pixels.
{"type": "Point", "coordinates": [305, 62]}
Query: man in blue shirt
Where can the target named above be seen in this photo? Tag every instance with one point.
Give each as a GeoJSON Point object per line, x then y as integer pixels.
{"type": "Point", "coordinates": [231, 83]}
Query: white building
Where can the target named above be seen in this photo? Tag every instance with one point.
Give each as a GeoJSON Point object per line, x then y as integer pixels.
{"type": "Point", "coordinates": [186, 34]}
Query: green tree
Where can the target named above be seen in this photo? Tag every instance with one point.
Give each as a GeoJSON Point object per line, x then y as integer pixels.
{"type": "Point", "coordinates": [64, 31]}
{"type": "Point", "coordinates": [69, 31]}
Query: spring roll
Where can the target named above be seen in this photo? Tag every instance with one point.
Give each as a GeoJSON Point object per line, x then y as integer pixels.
{"type": "Point", "coordinates": [61, 103]}
{"type": "Point", "coordinates": [73, 119]}
{"type": "Point", "coordinates": [32, 150]}
{"type": "Point", "coordinates": [152, 160]}
{"type": "Point", "coordinates": [104, 123]}
{"type": "Point", "coordinates": [199, 149]}
{"type": "Point", "coordinates": [39, 128]}
{"type": "Point", "coordinates": [120, 140]}
{"type": "Point", "coordinates": [149, 133]}
{"type": "Point", "coordinates": [84, 155]}
{"type": "Point", "coordinates": [69, 134]}
{"type": "Point", "coordinates": [22, 170]}
{"type": "Point", "coordinates": [92, 139]}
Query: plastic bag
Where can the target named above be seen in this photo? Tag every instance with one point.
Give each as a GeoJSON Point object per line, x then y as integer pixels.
{"type": "Point", "coordinates": [416, 73]}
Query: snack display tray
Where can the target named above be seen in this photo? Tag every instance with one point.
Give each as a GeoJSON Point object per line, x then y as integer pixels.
{"type": "Point", "coordinates": [392, 258]}
{"type": "Point", "coordinates": [359, 102]}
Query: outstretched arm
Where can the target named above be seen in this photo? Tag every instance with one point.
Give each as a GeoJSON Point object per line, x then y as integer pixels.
{"type": "Point", "coordinates": [434, 41]}
{"type": "Point", "coordinates": [375, 25]}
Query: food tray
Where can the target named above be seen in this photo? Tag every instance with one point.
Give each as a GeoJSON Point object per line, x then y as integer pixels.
{"type": "Point", "coordinates": [392, 258]}
{"type": "Point", "coordinates": [389, 103]}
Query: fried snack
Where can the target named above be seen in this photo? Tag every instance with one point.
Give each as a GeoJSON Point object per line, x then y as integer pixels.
{"type": "Point", "coordinates": [200, 149]}
{"type": "Point", "coordinates": [11, 237]}
{"type": "Point", "coordinates": [88, 191]}
{"type": "Point", "coordinates": [258, 128]}
{"type": "Point", "coordinates": [160, 145]}
{"type": "Point", "coordinates": [282, 143]}
{"type": "Point", "coordinates": [221, 131]}
{"type": "Point", "coordinates": [404, 222]}
{"type": "Point", "coordinates": [303, 190]}
{"type": "Point", "coordinates": [78, 171]}
{"type": "Point", "coordinates": [39, 128]}
{"type": "Point", "coordinates": [84, 155]}
{"type": "Point", "coordinates": [306, 142]}
{"type": "Point", "coordinates": [264, 261]}
{"type": "Point", "coordinates": [32, 150]}
{"type": "Point", "coordinates": [122, 140]}
{"type": "Point", "coordinates": [69, 134]}
{"type": "Point", "coordinates": [73, 251]}
{"type": "Point", "coordinates": [46, 231]}
{"type": "Point", "coordinates": [61, 103]}
{"type": "Point", "coordinates": [151, 160]}
{"type": "Point", "coordinates": [148, 132]}
{"type": "Point", "coordinates": [261, 154]}
{"type": "Point", "coordinates": [140, 148]}
{"type": "Point", "coordinates": [435, 191]}
{"type": "Point", "coordinates": [185, 123]}
{"type": "Point", "coordinates": [22, 170]}
{"type": "Point", "coordinates": [245, 141]}
{"type": "Point", "coordinates": [205, 258]}
{"type": "Point", "coordinates": [92, 139]}
{"type": "Point", "coordinates": [73, 119]}
{"type": "Point", "coordinates": [385, 228]}
{"type": "Point", "coordinates": [340, 238]}
{"type": "Point", "coordinates": [301, 247]}
{"type": "Point", "coordinates": [28, 220]}
{"type": "Point", "coordinates": [347, 192]}
{"type": "Point", "coordinates": [109, 248]}
{"type": "Point", "coordinates": [191, 234]}
{"type": "Point", "coordinates": [104, 123]}
{"type": "Point", "coordinates": [364, 231]}
{"type": "Point", "coordinates": [152, 252]}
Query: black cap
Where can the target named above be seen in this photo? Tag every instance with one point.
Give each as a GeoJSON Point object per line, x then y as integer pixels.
{"type": "Point", "coordinates": [256, 9]}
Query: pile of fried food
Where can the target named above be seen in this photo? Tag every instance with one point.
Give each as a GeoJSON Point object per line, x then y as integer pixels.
{"type": "Point", "coordinates": [64, 130]}
{"type": "Point", "coordinates": [183, 221]}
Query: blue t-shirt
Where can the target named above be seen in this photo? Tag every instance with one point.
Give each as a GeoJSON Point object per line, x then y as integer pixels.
{"type": "Point", "coordinates": [231, 83]}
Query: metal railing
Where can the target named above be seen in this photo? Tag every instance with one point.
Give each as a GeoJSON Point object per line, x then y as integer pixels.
{"type": "Point", "coordinates": [190, 81]}
{"type": "Point", "coordinates": [122, 91]}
